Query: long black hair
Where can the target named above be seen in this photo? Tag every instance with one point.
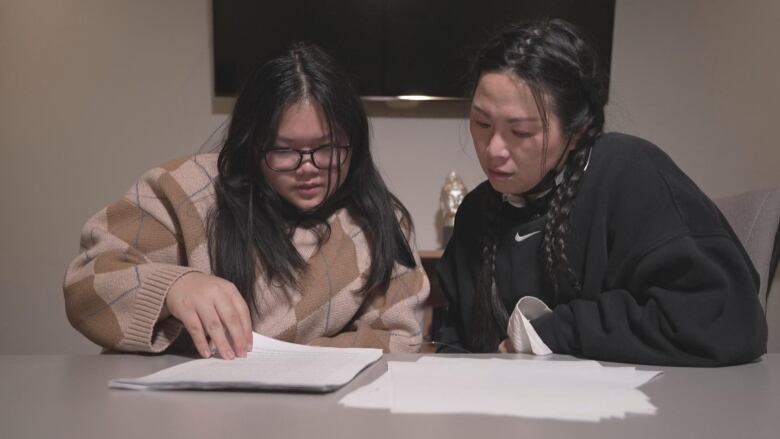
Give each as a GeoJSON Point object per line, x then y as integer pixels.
{"type": "Point", "coordinates": [561, 69]}
{"type": "Point", "coordinates": [251, 226]}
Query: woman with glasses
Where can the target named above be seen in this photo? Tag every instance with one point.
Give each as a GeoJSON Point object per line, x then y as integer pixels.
{"type": "Point", "coordinates": [289, 231]}
{"type": "Point", "coordinates": [581, 242]}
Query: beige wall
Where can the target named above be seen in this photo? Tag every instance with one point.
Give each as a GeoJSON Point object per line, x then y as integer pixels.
{"type": "Point", "coordinates": [92, 92]}
{"type": "Point", "coordinates": [700, 79]}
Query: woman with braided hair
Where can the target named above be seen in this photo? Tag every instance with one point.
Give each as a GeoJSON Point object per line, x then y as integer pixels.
{"type": "Point", "coordinates": [580, 242]}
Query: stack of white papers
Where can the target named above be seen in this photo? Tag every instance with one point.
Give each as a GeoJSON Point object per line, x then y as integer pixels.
{"type": "Point", "coordinates": [272, 365]}
{"type": "Point", "coordinates": [566, 390]}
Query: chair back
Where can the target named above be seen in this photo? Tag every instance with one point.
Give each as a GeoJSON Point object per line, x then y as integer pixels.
{"type": "Point", "coordinates": [755, 218]}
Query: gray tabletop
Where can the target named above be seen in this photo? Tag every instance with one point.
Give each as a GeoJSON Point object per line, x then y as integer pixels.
{"type": "Point", "coordinates": [67, 396]}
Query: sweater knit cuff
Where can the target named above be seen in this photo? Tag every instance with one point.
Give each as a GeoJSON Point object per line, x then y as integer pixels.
{"type": "Point", "coordinates": [145, 333]}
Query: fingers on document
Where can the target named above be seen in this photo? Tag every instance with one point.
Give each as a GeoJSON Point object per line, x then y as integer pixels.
{"type": "Point", "coordinates": [192, 324]}
{"type": "Point", "coordinates": [232, 329]}
{"type": "Point", "coordinates": [220, 324]}
{"type": "Point", "coordinates": [217, 330]}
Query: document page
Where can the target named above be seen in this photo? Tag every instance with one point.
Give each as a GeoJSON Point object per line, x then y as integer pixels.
{"type": "Point", "coordinates": [565, 390]}
{"type": "Point", "coordinates": [272, 365]}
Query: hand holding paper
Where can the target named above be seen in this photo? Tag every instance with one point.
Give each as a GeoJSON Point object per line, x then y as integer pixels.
{"type": "Point", "coordinates": [521, 333]}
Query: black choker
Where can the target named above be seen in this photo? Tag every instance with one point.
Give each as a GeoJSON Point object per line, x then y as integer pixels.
{"type": "Point", "coordinates": [544, 187]}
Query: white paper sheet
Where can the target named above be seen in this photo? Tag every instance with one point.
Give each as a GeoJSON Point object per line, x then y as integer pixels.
{"type": "Point", "coordinates": [376, 395]}
{"type": "Point", "coordinates": [272, 365]}
{"type": "Point", "coordinates": [566, 390]}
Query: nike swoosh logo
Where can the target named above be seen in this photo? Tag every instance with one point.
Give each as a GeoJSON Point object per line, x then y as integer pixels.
{"type": "Point", "coordinates": [522, 238]}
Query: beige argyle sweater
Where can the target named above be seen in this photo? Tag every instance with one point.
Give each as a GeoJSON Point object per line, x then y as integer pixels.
{"type": "Point", "coordinates": [134, 249]}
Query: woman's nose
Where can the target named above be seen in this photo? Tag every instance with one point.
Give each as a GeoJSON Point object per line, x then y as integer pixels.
{"type": "Point", "coordinates": [307, 165]}
{"type": "Point", "coordinates": [496, 148]}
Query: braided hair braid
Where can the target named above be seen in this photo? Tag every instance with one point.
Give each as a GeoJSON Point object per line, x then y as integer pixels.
{"type": "Point", "coordinates": [490, 317]}
{"type": "Point", "coordinates": [554, 243]}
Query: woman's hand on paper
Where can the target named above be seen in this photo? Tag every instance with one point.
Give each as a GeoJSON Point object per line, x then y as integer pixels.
{"type": "Point", "coordinates": [505, 347]}
{"type": "Point", "coordinates": [210, 307]}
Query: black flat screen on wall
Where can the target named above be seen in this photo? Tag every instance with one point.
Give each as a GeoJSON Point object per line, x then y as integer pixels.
{"type": "Point", "coordinates": [390, 47]}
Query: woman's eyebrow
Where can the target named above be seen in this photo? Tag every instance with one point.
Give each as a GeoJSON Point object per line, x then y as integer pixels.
{"type": "Point", "coordinates": [522, 119]}
{"type": "Point", "coordinates": [510, 119]}
{"type": "Point", "coordinates": [323, 138]}
{"type": "Point", "coordinates": [479, 110]}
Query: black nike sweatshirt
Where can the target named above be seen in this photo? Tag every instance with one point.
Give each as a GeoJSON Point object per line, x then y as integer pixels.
{"type": "Point", "coordinates": [664, 280]}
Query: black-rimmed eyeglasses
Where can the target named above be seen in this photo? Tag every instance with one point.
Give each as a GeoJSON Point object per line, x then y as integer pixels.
{"type": "Point", "coordinates": [322, 157]}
